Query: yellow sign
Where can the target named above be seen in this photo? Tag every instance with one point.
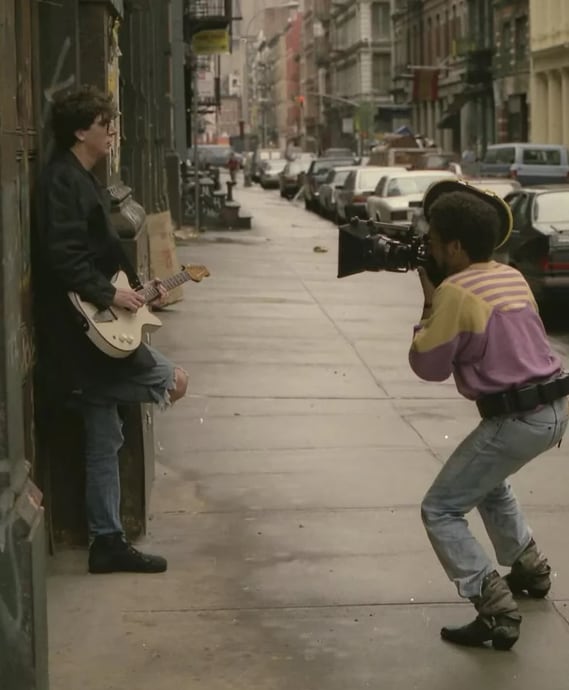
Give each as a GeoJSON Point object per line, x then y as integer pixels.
{"type": "Point", "coordinates": [211, 42]}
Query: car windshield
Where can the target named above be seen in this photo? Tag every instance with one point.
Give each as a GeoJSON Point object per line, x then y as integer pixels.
{"type": "Point", "coordinates": [404, 186]}
{"type": "Point", "coordinates": [552, 207]}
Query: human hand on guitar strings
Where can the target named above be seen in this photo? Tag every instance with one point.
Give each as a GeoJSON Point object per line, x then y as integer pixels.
{"type": "Point", "coordinates": [157, 283]}
{"type": "Point", "coordinates": [128, 299]}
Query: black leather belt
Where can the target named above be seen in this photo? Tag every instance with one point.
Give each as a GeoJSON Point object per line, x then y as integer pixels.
{"type": "Point", "coordinates": [523, 399]}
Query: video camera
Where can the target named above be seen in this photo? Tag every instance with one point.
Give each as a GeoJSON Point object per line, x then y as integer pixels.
{"type": "Point", "coordinates": [368, 245]}
{"type": "Point", "coordinates": [399, 247]}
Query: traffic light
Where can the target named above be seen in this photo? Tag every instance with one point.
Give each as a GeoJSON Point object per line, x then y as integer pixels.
{"type": "Point", "coordinates": [300, 101]}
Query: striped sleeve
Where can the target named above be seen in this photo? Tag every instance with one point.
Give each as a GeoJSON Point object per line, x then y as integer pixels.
{"type": "Point", "coordinates": [453, 332]}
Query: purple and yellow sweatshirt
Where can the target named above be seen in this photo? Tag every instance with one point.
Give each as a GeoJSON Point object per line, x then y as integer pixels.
{"type": "Point", "coordinates": [485, 330]}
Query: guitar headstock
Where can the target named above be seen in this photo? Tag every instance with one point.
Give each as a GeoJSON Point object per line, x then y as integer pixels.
{"type": "Point", "coordinates": [196, 272]}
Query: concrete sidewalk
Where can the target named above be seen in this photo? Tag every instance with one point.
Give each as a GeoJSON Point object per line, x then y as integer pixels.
{"type": "Point", "coordinates": [287, 496]}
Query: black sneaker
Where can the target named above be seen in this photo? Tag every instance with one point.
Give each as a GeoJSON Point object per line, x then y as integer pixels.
{"type": "Point", "coordinates": [111, 553]}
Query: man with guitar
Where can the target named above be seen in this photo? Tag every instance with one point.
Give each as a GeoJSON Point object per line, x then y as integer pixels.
{"type": "Point", "coordinates": [79, 252]}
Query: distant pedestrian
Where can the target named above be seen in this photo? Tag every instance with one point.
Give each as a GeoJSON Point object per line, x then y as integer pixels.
{"type": "Point", "coordinates": [481, 325]}
{"type": "Point", "coordinates": [233, 166]}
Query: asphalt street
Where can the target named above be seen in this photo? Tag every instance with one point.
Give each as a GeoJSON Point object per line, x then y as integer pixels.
{"type": "Point", "coordinates": [287, 495]}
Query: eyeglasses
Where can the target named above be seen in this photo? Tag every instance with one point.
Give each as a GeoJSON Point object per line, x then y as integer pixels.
{"type": "Point", "coordinates": [107, 124]}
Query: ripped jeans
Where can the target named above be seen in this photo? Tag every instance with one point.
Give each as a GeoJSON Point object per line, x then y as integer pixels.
{"type": "Point", "coordinates": [475, 477]}
{"type": "Point", "coordinates": [104, 438]}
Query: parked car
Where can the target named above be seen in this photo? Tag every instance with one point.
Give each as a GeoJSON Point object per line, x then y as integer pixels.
{"type": "Point", "coordinates": [292, 176]}
{"type": "Point", "coordinates": [270, 173]}
{"type": "Point", "coordinates": [501, 187]}
{"type": "Point", "coordinates": [327, 191]}
{"type": "Point", "coordinates": [400, 192]}
{"type": "Point", "coordinates": [539, 243]}
{"type": "Point", "coordinates": [260, 159]}
{"type": "Point", "coordinates": [315, 176]}
{"type": "Point", "coordinates": [438, 161]}
{"type": "Point", "coordinates": [211, 154]}
{"type": "Point", "coordinates": [338, 153]}
{"type": "Point", "coordinates": [352, 196]}
{"type": "Point", "coordinates": [529, 164]}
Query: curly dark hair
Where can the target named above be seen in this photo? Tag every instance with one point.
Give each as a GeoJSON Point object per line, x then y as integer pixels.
{"type": "Point", "coordinates": [78, 110]}
{"type": "Point", "coordinates": [470, 220]}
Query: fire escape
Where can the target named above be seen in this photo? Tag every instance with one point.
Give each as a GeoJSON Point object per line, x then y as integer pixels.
{"type": "Point", "coordinates": [208, 26]}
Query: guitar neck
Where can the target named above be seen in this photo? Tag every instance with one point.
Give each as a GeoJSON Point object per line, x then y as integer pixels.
{"type": "Point", "coordinates": [151, 292]}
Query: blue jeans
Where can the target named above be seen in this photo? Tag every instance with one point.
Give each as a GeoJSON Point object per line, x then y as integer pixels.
{"type": "Point", "coordinates": [104, 439]}
{"type": "Point", "coordinates": [475, 477]}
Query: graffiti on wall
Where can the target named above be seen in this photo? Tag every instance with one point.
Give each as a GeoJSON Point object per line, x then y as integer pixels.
{"type": "Point", "coordinates": [113, 86]}
{"type": "Point", "coordinates": [16, 663]}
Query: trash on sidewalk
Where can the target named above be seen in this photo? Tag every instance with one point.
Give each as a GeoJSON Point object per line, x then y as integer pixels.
{"type": "Point", "coordinates": [319, 250]}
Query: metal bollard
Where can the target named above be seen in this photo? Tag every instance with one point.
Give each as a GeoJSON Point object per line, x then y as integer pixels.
{"type": "Point", "coordinates": [230, 186]}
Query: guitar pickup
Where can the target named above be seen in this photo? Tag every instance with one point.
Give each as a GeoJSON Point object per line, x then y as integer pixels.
{"type": "Point", "coordinates": [104, 316]}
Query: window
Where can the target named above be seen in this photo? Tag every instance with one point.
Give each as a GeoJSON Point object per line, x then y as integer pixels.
{"type": "Point", "coordinates": [551, 207]}
{"type": "Point", "coordinates": [521, 39]}
{"type": "Point", "coordinates": [380, 21]}
{"type": "Point", "coordinates": [542, 156]}
{"type": "Point", "coordinates": [349, 183]}
{"type": "Point", "coordinates": [506, 46]}
{"type": "Point", "coordinates": [505, 155]}
{"type": "Point", "coordinates": [519, 205]}
{"type": "Point", "coordinates": [380, 189]}
{"type": "Point", "coordinates": [381, 67]}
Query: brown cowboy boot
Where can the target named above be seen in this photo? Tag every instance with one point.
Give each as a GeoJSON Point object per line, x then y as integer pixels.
{"type": "Point", "coordinates": [498, 619]}
{"type": "Point", "coordinates": [530, 573]}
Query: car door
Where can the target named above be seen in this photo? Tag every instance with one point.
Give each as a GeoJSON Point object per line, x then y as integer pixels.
{"type": "Point", "coordinates": [523, 239]}
{"type": "Point", "coordinates": [326, 190]}
{"type": "Point", "coordinates": [345, 194]}
{"type": "Point", "coordinates": [518, 203]}
{"type": "Point", "coordinates": [373, 201]}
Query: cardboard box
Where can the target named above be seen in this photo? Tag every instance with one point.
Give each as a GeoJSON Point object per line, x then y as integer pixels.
{"type": "Point", "coordinates": [164, 261]}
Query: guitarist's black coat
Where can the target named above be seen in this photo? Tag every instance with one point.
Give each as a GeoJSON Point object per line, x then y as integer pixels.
{"type": "Point", "coordinates": [76, 249]}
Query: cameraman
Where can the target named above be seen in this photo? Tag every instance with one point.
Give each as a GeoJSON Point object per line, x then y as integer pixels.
{"type": "Point", "coordinates": [481, 325]}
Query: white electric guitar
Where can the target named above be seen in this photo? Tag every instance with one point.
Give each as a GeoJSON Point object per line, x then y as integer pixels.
{"type": "Point", "coordinates": [118, 332]}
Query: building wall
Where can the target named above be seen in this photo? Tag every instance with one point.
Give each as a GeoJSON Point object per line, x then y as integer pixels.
{"type": "Point", "coordinates": [228, 116]}
{"type": "Point", "coordinates": [549, 36]}
{"type": "Point", "coordinates": [440, 46]}
{"type": "Point", "coordinates": [293, 72]}
{"type": "Point", "coordinates": [309, 72]}
{"type": "Point", "coordinates": [511, 69]}
{"type": "Point", "coordinates": [360, 65]}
